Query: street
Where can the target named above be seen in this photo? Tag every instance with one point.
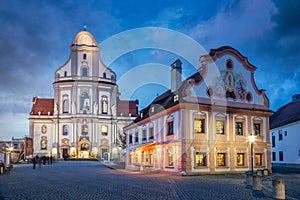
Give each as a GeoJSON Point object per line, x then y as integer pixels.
{"type": "Point", "coordinates": [93, 180]}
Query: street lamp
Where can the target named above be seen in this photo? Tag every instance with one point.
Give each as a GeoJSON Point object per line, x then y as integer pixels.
{"type": "Point", "coordinates": [251, 139]}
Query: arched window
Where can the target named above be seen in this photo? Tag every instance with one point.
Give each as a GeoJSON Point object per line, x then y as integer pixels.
{"type": "Point", "coordinates": [65, 129]}
{"type": "Point", "coordinates": [84, 56]}
{"type": "Point", "coordinates": [66, 106]}
{"type": "Point", "coordinates": [84, 71]}
{"type": "Point", "coordinates": [104, 75]}
{"type": "Point", "coordinates": [104, 130]}
{"type": "Point", "coordinates": [104, 104]}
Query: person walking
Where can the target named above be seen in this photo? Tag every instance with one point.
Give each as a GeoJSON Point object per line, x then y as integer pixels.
{"type": "Point", "coordinates": [33, 162]}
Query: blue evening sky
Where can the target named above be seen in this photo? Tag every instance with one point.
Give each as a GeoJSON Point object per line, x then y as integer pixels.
{"type": "Point", "coordinates": [35, 37]}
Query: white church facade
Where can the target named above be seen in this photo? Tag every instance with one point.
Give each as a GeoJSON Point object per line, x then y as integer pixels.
{"type": "Point", "coordinates": [86, 117]}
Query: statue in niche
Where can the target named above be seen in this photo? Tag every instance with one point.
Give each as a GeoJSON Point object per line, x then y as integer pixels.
{"type": "Point", "coordinates": [85, 101]}
{"type": "Point", "coordinates": [219, 87]}
{"type": "Point", "coordinates": [241, 91]}
{"type": "Point", "coordinates": [229, 80]}
{"type": "Point", "coordinates": [95, 107]}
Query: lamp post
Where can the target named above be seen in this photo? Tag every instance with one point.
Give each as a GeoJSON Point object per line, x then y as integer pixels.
{"type": "Point", "coordinates": [251, 139]}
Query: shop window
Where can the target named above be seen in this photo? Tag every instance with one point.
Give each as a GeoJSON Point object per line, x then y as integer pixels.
{"type": "Point", "coordinates": [221, 159]}
{"type": "Point", "coordinates": [240, 159]}
{"type": "Point", "coordinates": [258, 159]}
{"type": "Point", "coordinates": [200, 159]}
{"type": "Point", "coordinates": [170, 158]}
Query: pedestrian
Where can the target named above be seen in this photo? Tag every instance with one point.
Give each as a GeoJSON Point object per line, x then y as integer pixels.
{"type": "Point", "coordinates": [51, 159]}
{"type": "Point", "coordinates": [33, 162]}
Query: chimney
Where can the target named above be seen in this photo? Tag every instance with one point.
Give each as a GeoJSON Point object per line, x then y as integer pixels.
{"type": "Point", "coordinates": [176, 75]}
{"type": "Point", "coordinates": [296, 97]}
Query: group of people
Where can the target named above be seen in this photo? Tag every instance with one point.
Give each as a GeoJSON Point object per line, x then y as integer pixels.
{"type": "Point", "coordinates": [42, 160]}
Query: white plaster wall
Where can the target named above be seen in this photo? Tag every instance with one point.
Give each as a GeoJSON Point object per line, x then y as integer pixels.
{"type": "Point", "coordinates": [289, 144]}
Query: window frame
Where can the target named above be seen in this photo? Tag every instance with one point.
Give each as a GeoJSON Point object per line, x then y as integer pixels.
{"type": "Point", "coordinates": [238, 158]}
{"type": "Point", "coordinates": [241, 132]}
{"type": "Point", "coordinates": [223, 160]}
{"type": "Point", "coordinates": [65, 130]}
{"type": "Point", "coordinates": [260, 163]}
{"type": "Point", "coordinates": [204, 159]}
{"type": "Point", "coordinates": [170, 127]}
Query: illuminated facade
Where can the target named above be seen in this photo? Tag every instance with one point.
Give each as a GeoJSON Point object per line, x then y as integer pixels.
{"type": "Point", "coordinates": [86, 117]}
{"type": "Point", "coordinates": [203, 124]}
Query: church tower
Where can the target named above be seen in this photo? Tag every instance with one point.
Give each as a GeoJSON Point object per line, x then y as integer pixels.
{"type": "Point", "coordinates": [84, 120]}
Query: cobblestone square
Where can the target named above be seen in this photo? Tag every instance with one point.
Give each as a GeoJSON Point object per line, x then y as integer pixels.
{"type": "Point", "coordinates": [93, 180]}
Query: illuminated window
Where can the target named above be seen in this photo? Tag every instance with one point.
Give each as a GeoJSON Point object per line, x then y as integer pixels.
{"type": "Point", "coordinates": [170, 128]}
{"type": "Point", "coordinates": [219, 127]}
{"type": "Point", "coordinates": [104, 130]}
{"type": "Point", "coordinates": [170, 158]}
{"type": "Point", "coordinates": [199, 125]}
{"type": "Point", "coordinates": [239, 128]}
{"type": "Point", "coordinates": [200, 159]}
{"type": "Point", "coordinates": [240, 160]}
{"type": "Point", "coordinates": [176, 98]}
{"type": "Point", "coordinates": [221, 161]}
{"type": "Point", "coordinates": [258, 159]}
{"type": "Point", "coordinates": [65, 129]}
{"type": "Point", "coordinates": [104, 105]}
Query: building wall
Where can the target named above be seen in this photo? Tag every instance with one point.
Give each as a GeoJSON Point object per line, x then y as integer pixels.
{"type": "Point", "coordinates": [288, 145]}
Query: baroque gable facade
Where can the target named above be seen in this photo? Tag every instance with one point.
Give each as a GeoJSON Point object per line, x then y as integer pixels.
{"type": "Point", "coordinates": [86, 117]}
{"type": "Point", "coordinates": [202, 124]}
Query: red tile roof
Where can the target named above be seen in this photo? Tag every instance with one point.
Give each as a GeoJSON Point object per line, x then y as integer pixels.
{"type": "Point", "coordinates": [126, 107]}
{"type": "Point", "coordinates": [42, 105]}
{"type": "Point", "coordinates": [286, 114]}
